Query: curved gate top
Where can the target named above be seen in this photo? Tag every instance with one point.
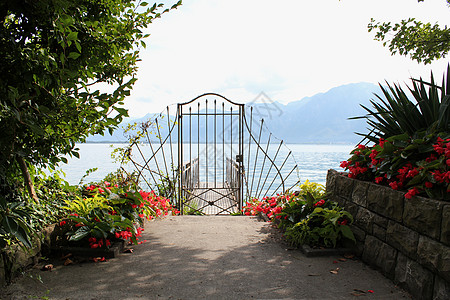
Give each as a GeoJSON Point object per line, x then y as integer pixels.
{"type": "Point", "coordinates": [210, 150]}
{"type": "Point", "coordinates": [211, 157]}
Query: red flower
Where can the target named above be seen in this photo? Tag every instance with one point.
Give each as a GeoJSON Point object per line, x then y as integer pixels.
{"type": "Point", "coordinates": [431, 158]}
{"type": "Point", "coordinates": [344, 222]}
{"type": "Point", "coordinates": [320, 203]}
{"type": "Point", "coordinates": [362, 147]}
{"type": "Point", "coordinates": [382, 141]}
{"type": "Point", "coordinates": [428, 184]}
{"type": "Point", "coordinates": [91, 188]}
{"type": "Point", "coordinates": [438, 176]}
{"type": "Point", "coordinates": [412, 173]}
{"type": "Point", "coordinates": [378, 180]}
{"type": "Point", "coordinates": [412, 192]}
{"type": "Point", "coordinates": [394, 185]}
{"type": "Point", "coordinates": [62, 223]}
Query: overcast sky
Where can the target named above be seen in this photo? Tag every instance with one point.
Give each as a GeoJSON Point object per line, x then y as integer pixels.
{"type": "Point", "coordinates": [288, 49]}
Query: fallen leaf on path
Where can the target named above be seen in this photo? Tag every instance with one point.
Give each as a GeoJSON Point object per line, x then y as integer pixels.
{"type": "Point", "coordinates": [66, 256]}
{"type": "Point", "coordinates": [349, 256]}
{"type": "Point", "coordinates": [130, 250]}
{"type": "Point", "coordinates": [357, 292]}
{"type": "Point", "coordinates": [68, 262]}
{"type": "Point", "coordinates": [335, 271]}
{"type": "Point", "coordinates": [370, 291]}
{"type": "Point", "coordinates": [342, 259]}
{"type": "Point", "coordinates": [47, 268]}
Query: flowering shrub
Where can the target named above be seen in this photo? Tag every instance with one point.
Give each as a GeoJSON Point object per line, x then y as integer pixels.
{"type": "Point", "coordinates": [111, 212]}
{"type": "Point", "coordinates": [420, 166]}
{"type": "Point", "coordinates": [307, 216]}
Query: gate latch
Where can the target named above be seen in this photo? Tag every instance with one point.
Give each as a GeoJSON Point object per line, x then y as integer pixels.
{"type": "Point", "coordinates": [239, 158]}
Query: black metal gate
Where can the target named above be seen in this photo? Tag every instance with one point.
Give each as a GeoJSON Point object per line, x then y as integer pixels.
{"type": "Point", "coordinates": [210, 155]}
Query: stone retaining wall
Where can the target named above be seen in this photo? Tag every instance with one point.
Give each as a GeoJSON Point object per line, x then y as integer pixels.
{"type": "Point", "coordinates": [408, 240]}
{"type": "Point", "coordinates": [14, 260]}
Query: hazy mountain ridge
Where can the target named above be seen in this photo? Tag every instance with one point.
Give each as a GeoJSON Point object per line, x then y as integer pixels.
{"type": "Point", "coordinates": [322, 118]}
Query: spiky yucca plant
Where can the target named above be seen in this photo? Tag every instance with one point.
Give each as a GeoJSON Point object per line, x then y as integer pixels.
{"type": "Point", "coordinates": [396, 114]}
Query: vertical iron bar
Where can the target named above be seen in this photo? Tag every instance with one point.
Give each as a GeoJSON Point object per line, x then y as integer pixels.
{"type": "Point", "coordinates": [231, 140]}
{"type": "Point", "coordinates": [198, 142]}
{"type": "Point", "coordinates": [249, 146]}
{"type": "Point", "coordinates": [215, 143]}
{"type": "Point", "coordinates": [223, 143]}
{"type": "Point", "coordinates": [190, 145]}
{"type": "Point", "coordinates": [180, 160]}
{"type": "Point", "coordinates": [256, 156]}
{"type": "Point", "coordinates": [241, 154]}
{"type": "Point", "coordinates": [206, 142]}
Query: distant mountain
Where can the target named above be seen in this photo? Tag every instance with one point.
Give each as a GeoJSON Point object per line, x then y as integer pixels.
{"type": "Point", "coordinates": [322, 118]}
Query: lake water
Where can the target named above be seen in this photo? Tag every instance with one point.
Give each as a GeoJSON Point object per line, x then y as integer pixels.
{"type": "Point", "coordinates": [313, 161]}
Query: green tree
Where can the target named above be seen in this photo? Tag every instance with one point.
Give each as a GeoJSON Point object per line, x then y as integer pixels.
{"type": "Point", "coordinates": [66, 67]}
{"type": "Point", "coordinates": [423, 42]}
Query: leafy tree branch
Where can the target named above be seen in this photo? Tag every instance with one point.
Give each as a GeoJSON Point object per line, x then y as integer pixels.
{"type": "Point", "coordinates": [423, 42]}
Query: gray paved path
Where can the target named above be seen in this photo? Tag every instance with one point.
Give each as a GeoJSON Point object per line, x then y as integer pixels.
{"type": "Point", "coordinates": [224, 257]}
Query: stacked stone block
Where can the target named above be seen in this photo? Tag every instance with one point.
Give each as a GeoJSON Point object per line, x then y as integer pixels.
{"type": "Point", "coordinates": [408, 240]}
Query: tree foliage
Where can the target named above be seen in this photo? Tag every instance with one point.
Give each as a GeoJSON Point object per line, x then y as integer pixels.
{"type": "Point", "coordinates": [66, 67]}
{"type": "Point", "coordinates": [423, 42]}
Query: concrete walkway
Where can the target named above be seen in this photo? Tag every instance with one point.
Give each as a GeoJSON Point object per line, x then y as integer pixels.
{"type": "Point", "coordinates": [202, 257]}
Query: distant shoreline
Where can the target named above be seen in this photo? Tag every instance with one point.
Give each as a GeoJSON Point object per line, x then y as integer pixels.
{"type": "Point", "coordinates": [175, 143]}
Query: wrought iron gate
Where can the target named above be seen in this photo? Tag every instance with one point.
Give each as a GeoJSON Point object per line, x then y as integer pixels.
{"type": "Point", "coordinates": [210, 155]}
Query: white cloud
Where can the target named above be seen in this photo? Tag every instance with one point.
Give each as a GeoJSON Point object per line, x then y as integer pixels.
{"type": "Point", "coordinates": [288, 49]}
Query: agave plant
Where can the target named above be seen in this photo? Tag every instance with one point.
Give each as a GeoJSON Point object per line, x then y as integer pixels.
{"type": "Point", "coordinates": [396, 114]}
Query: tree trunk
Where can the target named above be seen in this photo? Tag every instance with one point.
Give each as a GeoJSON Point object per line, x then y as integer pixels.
{"type": "Point", "coordinates": [27, 177]}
